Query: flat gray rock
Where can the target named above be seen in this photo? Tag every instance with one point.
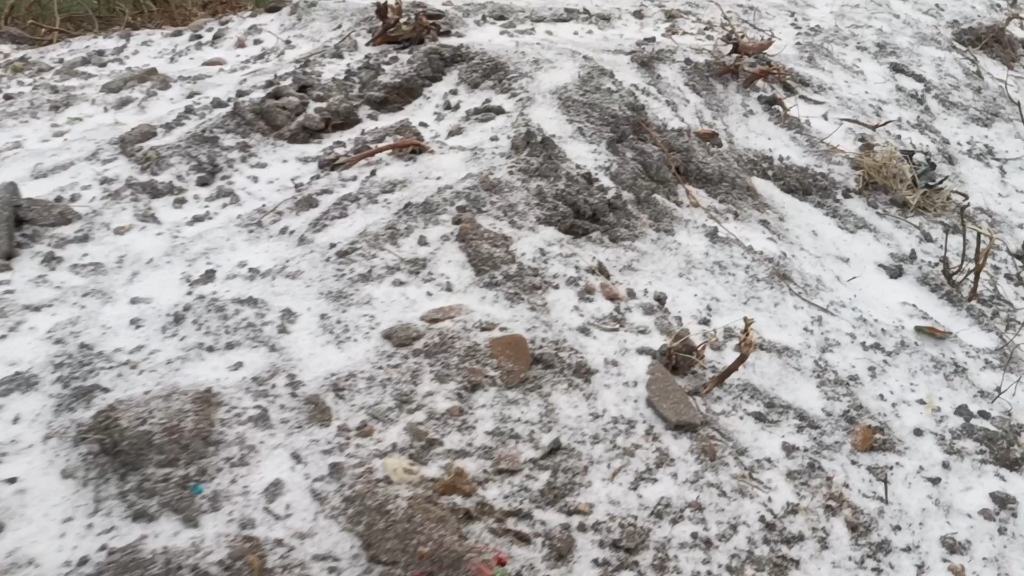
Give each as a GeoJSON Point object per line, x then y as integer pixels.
{"type": "Point", "coordinates": [670, 401]}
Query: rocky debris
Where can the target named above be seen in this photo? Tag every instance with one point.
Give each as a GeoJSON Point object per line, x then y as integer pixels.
{"type": "Point", "coordinates": [403, 335]}
{"type": "Point", "coordinates": [1002, 500]}
{"type": "Point", "coordinates": [134, 78]}
{"type": "Point", "coordinates": [570, 200]}
{"type": "Point", "coordinates": [39, 212]}
{"type": "Point", "coordinates": [138, 135]}
{"type": "Point", "coordinates": [963, 411]}
{"type": "Point", "coordinates": [560, 543]}
{"type": "Point", "coordinates": [273, 491]}
{"type": "Point", "coordinates": [284, 111]}
{"type": "Point", "coordinates": [893, 271]}
{"type": "Point", "coordinates": [443, 313]}
{"type": "Point", "coordinates": [669, 401]}
{"type": "Point", "coordinates": [318, 412]}
{"type": "Point", "coordinates": [1002, 445]}
{"type": "Point", "coordinates": [12, 35]}
{"type": "Point", "coordinates": [407, 536]}
{"type": "Point", "coordinates": [10, 199]}
{"type": "Point", "coordinates": [455, 483]}
{"type": "Point", "coordinates": [487, 251]}
{"type": "Point", "coordinates": [512, 353]}
{"type": "Point", "coordinates": [954, 546]}
{"type": "Point", "coordinates": [147, 448]}
{"type": "Point", "coordinates": [631, 538]}
{"type": "Point", "coordinates": [424, 68]}
{"type": "Point", "coordinates": [152, 189]}
{"type": "Point", "coordinates": [18, 383]}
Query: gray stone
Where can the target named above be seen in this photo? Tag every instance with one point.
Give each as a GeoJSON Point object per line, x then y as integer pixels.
{"type": "Point", "coordinates": [135, 136]}
{"type": "Point", "coordinates": [443, 313]}
{"type": "Point", "coordinates": [12, 35]}
{"type": "Point", "coordinates": [10, 197]}
{"type": "Point", "coordinates": [1002, 500]}
{"type": "Point", "coordinates": [39, 212]}
{"type": "Point", "coordinates": [403, 335]}
{"type": "Point", "coordinates": [670, 401]}
{"type": "Point", "coordinates": [134, 78]}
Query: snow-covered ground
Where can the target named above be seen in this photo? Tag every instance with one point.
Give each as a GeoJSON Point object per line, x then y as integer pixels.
{"type": "Point", "coordinates": [208, 370]}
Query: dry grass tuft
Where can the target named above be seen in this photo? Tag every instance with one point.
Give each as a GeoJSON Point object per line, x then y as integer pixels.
{"type": "Point", "coordinates": [886, 168]}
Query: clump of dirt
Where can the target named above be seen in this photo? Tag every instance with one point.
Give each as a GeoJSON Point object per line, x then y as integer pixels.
{"type": "Point", "coordinates": [150, 450]}
{"type": "Point", "coordinates": [572, 201]}
{"type": "Point", "coordinates": [1002, 445]}
{"type": "Point", "coordinates": [395, 91]}
{"type": "Point", "coordinates": [408, 535]}
{"type": "Point", "coordinates": [995, 40]}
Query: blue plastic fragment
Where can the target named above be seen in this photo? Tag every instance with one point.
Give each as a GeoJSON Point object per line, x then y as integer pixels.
{"type": "Point", "coordinates": [196, 488]}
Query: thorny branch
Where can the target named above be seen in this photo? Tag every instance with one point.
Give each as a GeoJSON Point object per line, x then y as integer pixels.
{"type": "Point", "coordinates": [747, 346]}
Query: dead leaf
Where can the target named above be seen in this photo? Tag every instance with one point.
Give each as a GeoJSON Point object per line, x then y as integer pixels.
{"type": "Point", "coordinates": [752, 48]}
{"type": "Point", "coordinates": [706, 135]}
{"type": "Point", "coordinates": [863, 438]}
{"type": "Point", "coordinates": [932, 331]}
{"type": "Point", "coordinates": [612, 292]}
{"type": "Point", "coordinates": [756, 74]}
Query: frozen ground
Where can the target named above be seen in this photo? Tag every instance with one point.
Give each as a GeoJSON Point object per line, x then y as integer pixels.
{"type": "Point", "coordinates": [204, 371]}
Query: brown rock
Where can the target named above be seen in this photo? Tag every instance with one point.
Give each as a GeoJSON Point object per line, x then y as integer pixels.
{"type": "Point", "coordinates": [454, 411]}
{"type": "Point", "coordinates": [443, 313]}
{"type": "Point", "coordinates": [512, 353]}
{"type": "Point", "coordinates": [318, 412]}
{"type": "Point", "coordinates": [218, 61]}
{"type": "Point", "coordinates": [457, 482]}
{"type": "Point", "coordinates": [863, 438]}
{"type": "Point", "coordinates": [957, 569]}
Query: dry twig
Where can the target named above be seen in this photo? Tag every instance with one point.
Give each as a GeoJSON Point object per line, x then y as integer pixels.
{"type": "Point", "coordinates": [346, 163]}
{"type": "Point", "coordinates": [747, 346]}
{"type": "Point", "coordinates": [872, 127]}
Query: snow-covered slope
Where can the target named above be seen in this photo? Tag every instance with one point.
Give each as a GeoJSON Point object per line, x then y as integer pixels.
{"type": "Point", "coordinates": [213, 347]}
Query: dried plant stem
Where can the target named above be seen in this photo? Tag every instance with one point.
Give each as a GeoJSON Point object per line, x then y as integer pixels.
{"type": "Point", "coordinates": [747, 346]}
{"type": "Point", "coordinates": [872, 127]}
{"type": "Point", "coordinates": [346, 163]}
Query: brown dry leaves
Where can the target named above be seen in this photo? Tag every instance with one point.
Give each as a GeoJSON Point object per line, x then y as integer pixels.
{"type": "Point", "coordinates": [416, 30]}
{"type": "Point", "coordinates": [863, 438]}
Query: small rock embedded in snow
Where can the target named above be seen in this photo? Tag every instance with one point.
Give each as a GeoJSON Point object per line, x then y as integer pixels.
{"type": "Point", "coordinates": [661, 298]}
{"type": "Point", "coordinates": [138, 135]}
{"type": "Point", "coordinates": [669, 401]}
{"type": "Point", "coordinates": [217, 61]}
{"type": "Point", "coordinates": [401, 471]}
{"type": "Point", "coordinates": [39, 212]}
{"type": "Point", "coordinates": [443, 313]}
{"type": "Point", "coordinates": [1002, 500]}
{"type": "Point", "coordinates": [956, 569]}
{"type": "Point", "coordinates": [512, 352]}
{"type": "Point", "coordinates": [964, 412]}
{"type": "Point", "coordinates": [403, 335]}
